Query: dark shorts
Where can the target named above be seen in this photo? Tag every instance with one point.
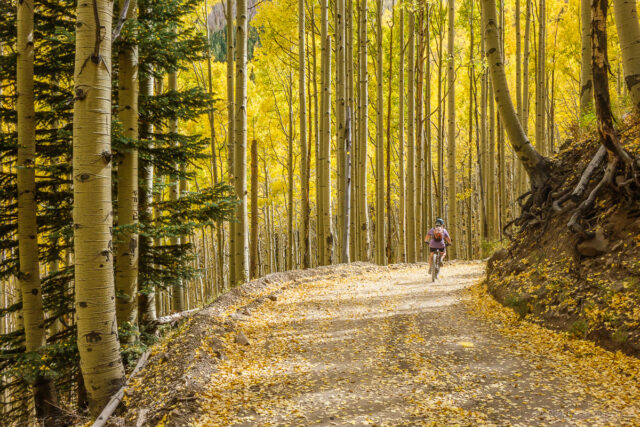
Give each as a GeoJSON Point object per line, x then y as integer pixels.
{"type": "Point", "coordinates": [436, 249]}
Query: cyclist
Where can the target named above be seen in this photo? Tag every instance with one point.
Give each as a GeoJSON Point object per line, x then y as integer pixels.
{"type": "Point", "coordinates": [438, 239]}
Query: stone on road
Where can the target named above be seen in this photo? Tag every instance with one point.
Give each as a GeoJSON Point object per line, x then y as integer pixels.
{"type": "Point", "coordinates": [392, 348]}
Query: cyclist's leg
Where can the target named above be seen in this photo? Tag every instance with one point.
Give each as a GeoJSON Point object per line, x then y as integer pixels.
{"type": "Point", "coordinates": [444, 254]}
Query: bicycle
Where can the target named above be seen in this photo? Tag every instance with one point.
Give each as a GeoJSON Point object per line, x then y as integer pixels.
{"type": "Point", "coordinates": [436, 263]}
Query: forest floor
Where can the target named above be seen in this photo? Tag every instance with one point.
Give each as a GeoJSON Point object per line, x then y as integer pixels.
{"type": "Point", "coordinates": [385, 346]}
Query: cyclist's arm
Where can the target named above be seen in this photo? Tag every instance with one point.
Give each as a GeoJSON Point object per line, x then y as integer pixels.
{"type": "Point", "coordinates": [428, 237]}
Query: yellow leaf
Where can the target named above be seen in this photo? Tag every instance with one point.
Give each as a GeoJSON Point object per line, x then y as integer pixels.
{"type": "Point", "coordinates": [466, 344]}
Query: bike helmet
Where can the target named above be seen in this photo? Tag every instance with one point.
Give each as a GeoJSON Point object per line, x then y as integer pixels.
{"type": "Point", "coordinates": [439, 221]}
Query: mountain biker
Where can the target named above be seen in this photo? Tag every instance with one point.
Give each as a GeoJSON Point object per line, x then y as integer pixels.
{"type": "Point", "coordinates": [438, 239]}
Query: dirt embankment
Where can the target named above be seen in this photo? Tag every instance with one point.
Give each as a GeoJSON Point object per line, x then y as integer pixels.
{"type": "Point", "coordinates": [590, 287]}
{"type": "Point", "coordinates": [181, 365]}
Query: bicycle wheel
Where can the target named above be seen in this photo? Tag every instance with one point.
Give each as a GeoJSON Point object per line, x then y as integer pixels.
{"type": "Point", "coordinates": [434, 267]}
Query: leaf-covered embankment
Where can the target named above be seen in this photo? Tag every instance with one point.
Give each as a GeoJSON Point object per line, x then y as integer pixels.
{"type": "Point", "coordinates": [588, 286]}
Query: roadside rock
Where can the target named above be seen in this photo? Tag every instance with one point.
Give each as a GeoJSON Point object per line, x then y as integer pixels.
{"type": "Point", "coordinates": [594, 247]}
{"type": "Point", "coordinates": [242, 339]}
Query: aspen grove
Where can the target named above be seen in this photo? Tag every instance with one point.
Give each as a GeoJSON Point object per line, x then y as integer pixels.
{"type": "Point", "coordinates": [155, 155]}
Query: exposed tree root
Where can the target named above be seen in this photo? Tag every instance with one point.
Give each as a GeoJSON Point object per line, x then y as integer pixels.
{"type": "Point", "coordinates": [586, 204]}
{"type": "Point", "coordinates": [539, 206]}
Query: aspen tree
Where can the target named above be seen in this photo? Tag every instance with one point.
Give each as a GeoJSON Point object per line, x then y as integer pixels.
{"type": "Point", "coordinates": [525, 69]}
{"type": "Point", "coordinates": [419, 135]}
{"type": "Point", "coordinates": [483, 143]}
{"type": "Point", "coordinates": [45, 398]}
{"type": "Point", "coordinates": [177, 293]}
{"type": "Point", "coordinates": [240, 149]}
{"type": "Point", "coordinates": [98, 344]}
{"type": "Point", "coordinates": [317, 137]}
{"type": "Point", "coordinates": [380, 220]}
{"type": "Point", "coordinates": [231, 134]}
{"type": "Point", "coordinates": [401, 172]}
{"type": "Point", "coordinates": [126, 262]}
{"type": "Point", "coordinates": [519, 107]}
{"type": "Point", "coordinates": [312, 133]}
{"type": "Point", "coordinates": [350, 105]}
{"type": "Point", "coordinates": [428, 169]}
{"type": "Point", "coordinates": [147, 300]}
{"type": "Point", "coordinates": [363, 129]}
{"type": "Point", "coordinates": [628, 27]}
{"type": "Point", "coordinates": [541, 94]}
{"type": "Point", "coordinates": [502, 164]}
{"type": "Point", "coordinates": [410, 171]}
{"type": "Point", "coordinates": [355, 171]}
{"type": "Point", "coordinates": [525, 88]}
{"type": "Point", "coordinates": [217, 251]}
{"type": "Point", "coordinates": [389, 249]}
{"type": "Point", "coordinates": [536, 165]}
{"type": "Point", "coordinates": [441, 113]}
{"type": "Point", "coordinates": [340, 129]}
{"type": "Point", "coordinates": [324, 156]}
{"type": "Point", "coordinates": [290, 174]}
{"type": "Point", "coordinates": [472, 99]}
{"type": "Point", "coordinates": [607, 132]}
{"type": "Point", "coordinates": [586, 76]}
{"type": "Point", "coordinates": [451, 130]}
{"type": "Point", "coordinates": [162, 297]}
{"type": "Point", "coordinates": [518, 61]}
{"type": "Point", "coordinates": [304, 161]}
{"type": "Point", "coordinates": [254, 210]}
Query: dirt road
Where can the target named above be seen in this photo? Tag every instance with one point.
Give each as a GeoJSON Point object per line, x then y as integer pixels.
{"type": "Point", "coordinates": [392, 348]}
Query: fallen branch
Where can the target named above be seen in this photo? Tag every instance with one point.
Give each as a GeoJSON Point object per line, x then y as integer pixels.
{"type": "Point", "coordinates": [173, 317]}
{"type": "Point", "coordinates": [108, 410]}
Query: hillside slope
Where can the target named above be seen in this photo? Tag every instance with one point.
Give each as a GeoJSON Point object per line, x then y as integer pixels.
{"type": "Point", "coordinates": [588, 286]}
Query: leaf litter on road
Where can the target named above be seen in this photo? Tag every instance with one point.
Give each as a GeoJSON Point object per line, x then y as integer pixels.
{"type": "Point", "coordinates": [390, 348]}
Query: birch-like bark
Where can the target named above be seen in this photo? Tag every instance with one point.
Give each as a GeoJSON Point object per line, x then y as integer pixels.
{"type": "Point", "coordinates": [363, 129]}
{"type": "Point", "coordinates": [343, 205]}
{"type": "Point", "coordinates": [419, 133]}
{"type": "Point", "coordinates": [483, 143]}
{"type": "Point", "coordinates": [177, 293]}
{"type": "Point", "coordinates": [586, 75]}
{"type": "Point", "coordinates": [428, 168]}
{"type": "Point", "coordinates": [240, 150]}
{"type": "Point", "coordinates": [536, 165]}
{"type": "Point", "coordinates": [380, 220]}
{"type": "Point", "coordinates": [389, 247]}
{"type": "Point", "coordinates": [324, 157]}
{"type": "Point", "coordinates": [410, 171]}
{"type": "Point", "coordinates": [304, 161]}
{"type": "Point", "coordinates": [541, 86]}
{"type": "Point", "coordinates": [231, 134]}
{"type": "Point", "coordinates": [98, 344]}
{"type": "Point", "coordinates": [45, 398]}
{"type": "Point", "coordinates": [254, 266]}
{"type": "Point", "coordinates": [126, 272]}
{"type": "Point", "coordinates": [401, 172]}
{"type": "Point", "coordinates": [626, 15]}
{"type": "Point", "coordinates": [451, 131]}
{"type": "Point", "coordinates": [147, 299]}
{"type": "Point", "coordinates": [290, 175]}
